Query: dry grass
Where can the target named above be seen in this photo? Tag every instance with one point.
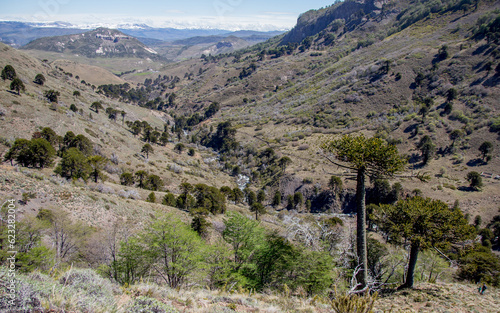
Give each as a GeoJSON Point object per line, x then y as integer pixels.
{"type": "Point", "coordinates": [77, 292]}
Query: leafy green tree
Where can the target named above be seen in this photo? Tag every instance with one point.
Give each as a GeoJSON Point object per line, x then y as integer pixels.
{"type": "Point", "coordinates": [486, 148]}
{"type": "Point", "coordinates": [141, 176]}
{"type": "Point", "coordinates": [31, 254]}
{"type": "Point", "coordinates": [261, 196]}
{"type": "Point", "coordinates": [17, 85]}
{"type": "Point", "coordinates": [308, 205]}
{"type": "Point", "coordinates": [112, 113]}
{"type": "Point", "coordinates": [83, 144]}
{"type": "Point", "coordinates": [276, 199]}
{"type": "Point", "coordinates": [210, 198]}
{"type": "Point", "coordinates": [52, 95]}
{"type": "Point", "coordinates": [237, 195]}
{"type": "Point", "coordinates": [258, 208]}
{"type": "Point", "coordinates": [8, 72]}
{"type": "Point", "coordinates": [218, 264]}
{"type": "Point", "coordinates": [154, 182]}
{"type": "Point", "coordinates": [368, 157]}
{"type": "Point", "coordinates": [38, 153]}
{"type": "Point", "coordinates": [179, 147]}
{"type": "Point", "coordinates": [76, 93]}
{"type": "Point", "coordinates": [185, 202]}
{"type": "Point", "coordinates": [96, 106]}
{"type": "Point", "coordinates": [151, 197]}
{"type": "Point", "coordinates": [284, 162]}
{"type": "Point", "coordinates": [174, 249]}
{"type": "Point", "coordinates": [186, 188]}
{"type": "Point", "coordinates": [251, 197]}
{"type": "Point", "coordinates": [19, 145]}
{"type": "Point", "coordinates": [212, 109]}
{"type": "Point", "coordinates": [451, 94]}
{"type": "Point", "coordinates": [314, 271]}
{"type": "Point", "coordinates": [227, 192]}
{"type": "Point", "coordinates": [200, 225]}
{"type": "Point", "coordinates": [224, 138]}
{"type": "Point", "coordinates": [475, 180]}
{"type": "Point", "coordinates": [289, 202]}
{"type": "Point", "coordinates": [427, 149]}
{"type": "Point", "coordinates": [169, 199]}
{"type": "Point", "coordinates": [335, 184]}
{"type": "Point", "coordinates": [132, 261]}
{"type": "Point", "coordinates": [244, 235]}
{"type": "Point", "coordinates": [423, 223]}
{"type": "Point", "coordinates": [479, 264]}
{"type": "Point", "coordinates": [455, 135]}
{"type": "Point", "coordinates": [443, 52]}
{"type": "Point", "coordinates": [448, 107]}
{"type": "Point", "coordinates": [73, 165]}
{"type": "Point", "coordinates": [50, 135]}
{"type": "Point", "coordinates": [147, 148]}
{"type": "Point", "coordinates": [298, 199]}
{"type": "Point", "coordinates": [73, 107]}
{"type": "Point", "coordinates": [164, 138]}
{"type": "Point", "coordinates": [425, 107]}
{"type": "Point", "coordinates": [96, 163]}
{"type": "Point", "coordinates": [39, 79]}
{"type": "Point", "coordinates": [127, 179]}
{"type": "Point", "coordinates": [273, 260]}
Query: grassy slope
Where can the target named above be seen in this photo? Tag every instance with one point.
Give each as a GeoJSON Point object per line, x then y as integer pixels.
{"type": "Point", "coordinates": [440, 297]}
{"type": "Point", "coordinates": [317, 86]}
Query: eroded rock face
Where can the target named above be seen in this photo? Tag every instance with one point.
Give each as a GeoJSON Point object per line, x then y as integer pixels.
{"type": "Point", "coordinates": [314, 21]}
{"type": "Point", "coordinates": [322, 200]}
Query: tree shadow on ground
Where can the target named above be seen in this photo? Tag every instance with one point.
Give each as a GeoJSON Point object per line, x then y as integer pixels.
{"type": "Point", "coordinates": [475, 162]}
{"type": "Point", "coordinates": [466, 189]}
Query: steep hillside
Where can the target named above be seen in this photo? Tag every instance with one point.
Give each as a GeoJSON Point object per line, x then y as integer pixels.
{"type": "Point", "coordinates": [101, 42]}
{"type": "Point", "coordinates": [24, 114]}
{"type": "Point", "coordinates": [372, 75]}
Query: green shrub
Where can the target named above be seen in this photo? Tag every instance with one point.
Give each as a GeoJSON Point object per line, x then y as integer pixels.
{"type": "Point", "coordinates": [480, 264]}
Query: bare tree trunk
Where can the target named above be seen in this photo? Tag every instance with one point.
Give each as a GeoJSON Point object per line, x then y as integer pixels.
{"type": "Point", "coordinates": [362, 276]}
{"type": "Point", "coordinates": [411, 265]}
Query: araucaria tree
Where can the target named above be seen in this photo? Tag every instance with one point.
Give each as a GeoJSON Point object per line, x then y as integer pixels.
{"type": "Point", "coordinates": [97, 163]}
{"type": "Point", "coordinates": [486, 148]}
{"type": "Point", "coordinates": [371, 157]}
{"type": "Point", "coordinates": [39, 79]}
{"type": "Point", "coordinates": [17, 85]}
{"type": "Point", "coordinates": [147, 148]}
{"type": "Point", "coordinates": [8, 72]}
{"type": "Point", "coordinates": [52, 95]}
{"type": "Point", "coordinates": [422, 223]}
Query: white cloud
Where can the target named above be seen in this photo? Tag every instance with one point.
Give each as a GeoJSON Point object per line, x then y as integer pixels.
{"type": "Point", "coordinates": [263, 22]}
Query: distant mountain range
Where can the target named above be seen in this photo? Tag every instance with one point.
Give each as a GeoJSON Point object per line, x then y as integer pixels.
{"type": "Point", "coordinates": [18, 34]}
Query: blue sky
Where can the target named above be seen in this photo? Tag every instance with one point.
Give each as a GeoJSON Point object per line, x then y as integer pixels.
{"type": "Point", "coordinates": [235, 14]}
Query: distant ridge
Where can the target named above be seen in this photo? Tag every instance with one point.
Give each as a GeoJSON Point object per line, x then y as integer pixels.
{"type": "Point", "coordinates": [101, 42]}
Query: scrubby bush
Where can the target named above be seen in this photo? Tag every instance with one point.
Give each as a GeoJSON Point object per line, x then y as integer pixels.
{"type": "Point", "coordinates": [475, 180]}
{"type": "Point", "coordinates": [144, 304]}
{"type": "Point", "coordinates": [94, 292]}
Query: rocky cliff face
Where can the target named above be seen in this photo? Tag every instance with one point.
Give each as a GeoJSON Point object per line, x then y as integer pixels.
{"type": "Point", "coordinates": [314, 21]}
